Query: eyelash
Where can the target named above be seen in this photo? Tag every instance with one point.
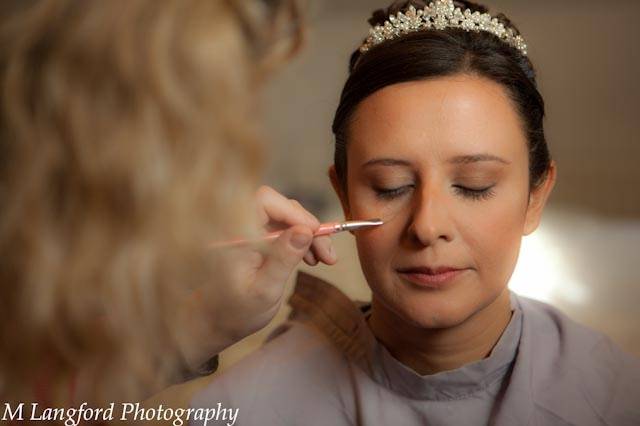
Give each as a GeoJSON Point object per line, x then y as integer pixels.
{"type": "Point", "coordinates": [473, 194]}
{"type": "Point", "coordinates": [391, 193]}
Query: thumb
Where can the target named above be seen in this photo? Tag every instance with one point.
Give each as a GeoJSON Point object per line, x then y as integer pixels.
{"type": "Point", "coordinates": [285, 254]}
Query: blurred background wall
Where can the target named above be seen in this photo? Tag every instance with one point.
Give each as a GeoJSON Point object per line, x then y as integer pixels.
{"type": "Point", "coordinates": [585, 256]}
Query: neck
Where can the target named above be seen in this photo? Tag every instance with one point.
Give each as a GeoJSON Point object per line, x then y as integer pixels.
{"type": "Point", "coordinates": [429, 351]}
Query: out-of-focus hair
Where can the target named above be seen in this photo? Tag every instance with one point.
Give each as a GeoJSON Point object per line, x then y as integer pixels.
{"type": "Point", "coordinates": [128, 141]}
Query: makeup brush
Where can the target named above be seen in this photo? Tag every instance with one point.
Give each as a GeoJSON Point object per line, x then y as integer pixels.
{"type": "Point", "coordinates": [324, 229]}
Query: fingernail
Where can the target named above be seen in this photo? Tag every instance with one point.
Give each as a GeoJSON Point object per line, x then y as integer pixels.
{"type": "Point", "coordinates": [332, 252]}
{"type": "Point", "coordinates": [300, 240]}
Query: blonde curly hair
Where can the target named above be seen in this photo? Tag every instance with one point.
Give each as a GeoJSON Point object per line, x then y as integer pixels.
{"type": "Point", "coordinates": [127, 142]}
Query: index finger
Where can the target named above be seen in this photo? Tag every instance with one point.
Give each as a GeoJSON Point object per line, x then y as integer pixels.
{"type": "Point", "coordinates": [273, 206]}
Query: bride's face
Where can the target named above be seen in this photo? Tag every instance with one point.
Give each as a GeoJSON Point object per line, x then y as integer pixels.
{"type": "Point", "coordinates": [445, 163]}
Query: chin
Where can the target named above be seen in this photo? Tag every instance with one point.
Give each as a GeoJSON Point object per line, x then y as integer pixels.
{"type": "Point", "coordinates": [434, 317]}
{"type": "Point", "coordinates": [427, 310]}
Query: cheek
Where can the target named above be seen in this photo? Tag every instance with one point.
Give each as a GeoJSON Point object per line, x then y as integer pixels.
{"type": "Point", "coordinates": [375, 247]}
{"type": "Point", "coordinates": [376, 244]}
{"type": "Point", "coordinates": [493, 237]}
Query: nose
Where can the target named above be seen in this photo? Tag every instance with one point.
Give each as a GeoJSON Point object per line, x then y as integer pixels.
{"type": "Point", "coordinates": [430, 222]}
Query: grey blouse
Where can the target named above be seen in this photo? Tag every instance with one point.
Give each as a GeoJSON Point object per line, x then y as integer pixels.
{"type": "Point", "coordinates": [324, 367]}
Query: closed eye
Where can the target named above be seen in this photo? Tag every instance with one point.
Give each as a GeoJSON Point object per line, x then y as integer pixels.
{"type": "Point", "coordinates": [475, 193]}
{"type": "Point", "coordinates": [391, 193]}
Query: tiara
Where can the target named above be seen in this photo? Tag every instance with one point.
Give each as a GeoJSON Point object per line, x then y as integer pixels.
{"type": "Point", "coordinates": [439, 15]}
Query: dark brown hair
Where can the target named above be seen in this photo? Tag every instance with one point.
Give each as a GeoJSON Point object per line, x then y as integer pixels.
{"type": "Point", "coordinates": [438, 53]}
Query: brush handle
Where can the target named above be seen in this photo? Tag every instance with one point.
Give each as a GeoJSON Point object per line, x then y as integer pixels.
{"type": "Point", "coordinates": [324, 229]}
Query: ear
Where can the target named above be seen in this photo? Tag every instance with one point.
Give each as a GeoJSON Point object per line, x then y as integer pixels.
{"type": "Point", "coordinates": [337, 187]}
{"type": "Point", "coordinates": [538, 199]}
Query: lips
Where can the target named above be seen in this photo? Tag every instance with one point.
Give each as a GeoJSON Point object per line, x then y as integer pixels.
{"type": "Point", "coordinates": [433, 277]}
{"type": "Point", "coordinates": [429, 270]}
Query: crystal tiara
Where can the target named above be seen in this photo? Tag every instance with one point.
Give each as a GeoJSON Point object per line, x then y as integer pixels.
{"type": "Point", "coordinates": [439, 15]}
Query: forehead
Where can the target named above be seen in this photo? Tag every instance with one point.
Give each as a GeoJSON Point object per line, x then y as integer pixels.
{"type": "Point", "coordinates": [441, 117]}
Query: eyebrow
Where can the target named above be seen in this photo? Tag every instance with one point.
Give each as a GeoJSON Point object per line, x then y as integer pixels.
{"type": "Point", "coordinates": [476, 158]}
{"type": "Point", "coordinates": [459, 159]}
{"type": "Point", "coordinates": [386, 162]}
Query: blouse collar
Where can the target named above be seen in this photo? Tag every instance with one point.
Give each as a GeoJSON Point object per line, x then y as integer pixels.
{"type": "Point", "coordinates": [343, 321]}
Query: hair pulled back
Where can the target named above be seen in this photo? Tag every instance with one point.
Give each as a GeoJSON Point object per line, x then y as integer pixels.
{"type": "Point", "coordinates": [430, 54]}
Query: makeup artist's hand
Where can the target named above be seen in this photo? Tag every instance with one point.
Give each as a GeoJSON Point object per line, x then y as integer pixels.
{"type": "Point", "coordinates": [254, 296]}
{"type": "Point", "coordinates": [262, 273]}
{"type": "Point", "coordinates": [275, 212]}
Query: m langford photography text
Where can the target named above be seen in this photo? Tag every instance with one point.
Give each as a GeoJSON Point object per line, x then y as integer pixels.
{"type": "Point", "coordinates": [126, 411]}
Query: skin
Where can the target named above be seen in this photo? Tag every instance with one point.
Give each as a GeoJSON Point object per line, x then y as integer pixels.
{"type": "Point", "coordinates": [415, 151]}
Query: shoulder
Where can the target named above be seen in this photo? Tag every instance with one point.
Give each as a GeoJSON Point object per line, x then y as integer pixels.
{"type": "Point", "coordinates": [304, 367]}
{"type": "Point", "coordinates": [544, 321]}
{"type": "Point", "coordinates": [566, 341]}
{"type": "Point", "coordinates": [296, 367]}
{"type": "Point", "coordinates": [571, 362]}
{"type": "Point", "coordinates": [295, 352]}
